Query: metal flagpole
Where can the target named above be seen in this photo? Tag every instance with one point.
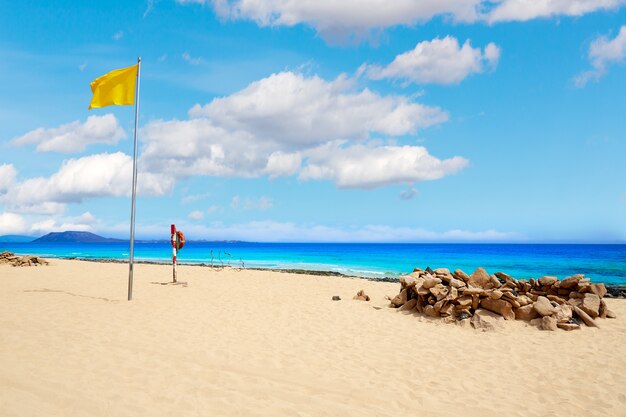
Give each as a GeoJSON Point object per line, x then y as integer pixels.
{"type": "Point", "coordinates": [132, 208]}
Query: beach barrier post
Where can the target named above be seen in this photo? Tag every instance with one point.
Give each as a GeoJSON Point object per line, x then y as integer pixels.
{"type": "Point", "coordinates": [173, 229]}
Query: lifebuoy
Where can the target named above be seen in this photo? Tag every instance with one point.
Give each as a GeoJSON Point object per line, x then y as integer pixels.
{"type": "Point", "coordinates": [180, 240]}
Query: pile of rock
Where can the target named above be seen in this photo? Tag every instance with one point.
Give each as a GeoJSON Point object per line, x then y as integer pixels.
{"type": "Point", "coordinates": [28, 260]}
{"type": "Point", "coordinates": [481, 298]}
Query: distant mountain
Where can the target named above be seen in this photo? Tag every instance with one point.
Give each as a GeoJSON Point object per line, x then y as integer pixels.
{"type": "Point", "coordinates": [71, 236]}
{"type": "Point", "coordinates": [16, 239]}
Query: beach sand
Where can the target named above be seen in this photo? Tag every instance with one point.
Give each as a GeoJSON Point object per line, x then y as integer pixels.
{"type": "Point", "coordinates": [260, 343]}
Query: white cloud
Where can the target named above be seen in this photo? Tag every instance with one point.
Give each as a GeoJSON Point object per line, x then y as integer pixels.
{"type": "Point", "coordinates": [265, 203]}
{"type": "Point", "coordinates": [288, 108]}
{"type": "Point", "coordinates": [213, 209]}
{"type": "Point", "coordinates": [234, 202]}
{"type": "Point", "coordinates": [375, 166]}
{"type": "Point", "coordinates": [75, 136]}
{"type": "Point", "coordinates": [96, 175]}
{"type": "Point", "coordinates": [7, 177]}
{"type": "Point", "coordinates": [11, 223]}
{"type": "Point", "coordinates": [440, 61]}
{"type": "Point", "coordinates": [194, 197]}
{"type": "Point", "coordinates": [82, 66]}
{"type": "Point", "coordinates": [188, 58]}
{"type": "Point", "coordinates": [522, 10]}
{"type": "Point", "coordinates": [338, 19]}
{"type": "Point", "coordinates": [342, 20]}
{"type": "Point", "coordinates": [196, 215]}
{"type": "Point", "coordinates": [271, 127]}
{"type": "Point", "coordinates": [118, 35]}
{"type": "Point", "coordinates": [603, 52]}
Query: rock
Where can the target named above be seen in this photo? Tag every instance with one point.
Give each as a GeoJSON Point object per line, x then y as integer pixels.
{"type": "Point", "coordinates": [591, 305]}
{"type": "Point", "coordinates": [486, 320]}
{"type": "Point", "coordinates": [456, 283]}
{"type": "Point", "coordinates": [407, 281]}
{"type": "Point", "coordinates": [571, 282]}
{"type": "Point", "coordinates": [361, 296]}
{"type": "Point", "coordinates": [584, 317]}
{"type": "Point", "coordinates": [409, 305]}
{"type": "Point", "coordinates": [440, 291]}
{"type": "Point", "coordinates": [480, 279]}
{"type": "Point", "coordinates": [547, 280]}
{"type": "Point", "coordinates": [524, 300]}
{"type": "Point", "coordinates": [563, 313]}
{"type": "Point", "coordinates": [400, 299]}
{"type": "Point", "coordinates": [498, 306]}
{"type": "Point", "coordinates": [610, 314]}
{"type": "Point", "coordinates": [603, 309]}
{"type": "Point", "coordinates": [447, 310]}
{"type": "Point", "coordinates": [336, 298]}
{"type": "Point", "coordinates": [430, 282]}
{"type": "Point", "coordinates": [495, 294]}
{"type": "Point", "coordinates": [548, 323]}
{"type": "Point", "coordinates": [430, 311]}
{"type": "Point", "coordinates": [453, 294]}
{"type": "Point", "coordinates": [475, 301]}
{"type": "Point", "coordinates": [543, 307]}
{"type": "Point", "coordinates": [575, 294]}
{"type": "Point", "coordinates": [504, 277]}
{"type": "Point", "coordinates": [465, 300]}
{"type": "Point", "coordinates": [438, 306]}
{"type": "Point", "coordinates": [598, 289]}
{"type": "Point", "coordinates": [556, 299]}
{"type": "Point", "coordinates": [465, 323]}
{"type": "Point", "coordinates": [536, 322]}
{"type": "Point", "coordinates": [525, 313]}
{"type": "Point", "coordinates": [473, 291]}
{"type": "Point", "coordinates": [460, 275]}
{"type": "Point", "coordinates": [495, 282]}
{"type": "Point", "coordinates": [568, 326]}
{"type": "Point", "coordinates": [575, 302]}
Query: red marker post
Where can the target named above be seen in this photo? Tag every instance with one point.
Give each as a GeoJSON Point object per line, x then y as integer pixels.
{"type": "Point", "coordinates": [173, 228]}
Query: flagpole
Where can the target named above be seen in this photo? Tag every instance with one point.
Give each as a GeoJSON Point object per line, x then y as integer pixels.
{"type": "Point", "coordinates": [132, 208]}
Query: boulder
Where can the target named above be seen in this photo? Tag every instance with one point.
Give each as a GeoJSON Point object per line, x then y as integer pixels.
{"type": "Point", "coordinates": [473, 291]}
{"type": "Point", "coordinates": [584, 317]}
{"type": "Point", "coordinates": [495, 294]}
{"type": "Point", "coordinates": [430, 311]}
{"type": "Point", "coordinates": [505, 277]}
{"type": "Point", "coordinates": [459, 274]}
{"type": "Point", "coordinates": [571, 282]}
{"type": "Point", "coordinates": [548, 323]}
{"type": "Point", "coordinates": [547, 280]}
{"type": "Point", "coordinates": [591, 305]}
{"type": "Point", "coordinates": [568, 326]}
{"type": "Point", "coordinates": [407, 281]}
{"type": "Point", "coordinates": [336, 298]}
{"type": "Point", "coordinates": [495, 282]}
{"type": "Point", "coordinates": [598, 289]}
{"type": "Point", "coordinates": [456, 283]}
{"type": "Point", "coordinates": [556, 299]}
{"type": "Point", "coordinates": [486, 320]}
{"type": "Point", "coordinates": [498, 306]}
{"type": "Point", "coordinates": [610, 314]}
{"type": "Point", "coordinates": [400, 299]}
{"type": "Point", "coordinates": [465, 300]}
{"type": "Point", "coordinates": [430, 282]}
{"type": "Point", "coordinates": [526, 313]}
{"type": "Point", "coordinates": [409, 305]}
{"type": "Point", "coordinates": [544, 307]}
{"type": "Point", "coordinates": [447, 310]}
{"type": "Point", "coordinates": [361, 296]}
{"type": "Point", "coordinates": [524, 300]}
{"type": "Point", "coordinates": [603, 309]}
{"type": "Point", "coordinates": [480, 279]}
{"type": "Point", "coordinates": [563, 313]}
{"type": "Point", "coordinates": [440, 291]}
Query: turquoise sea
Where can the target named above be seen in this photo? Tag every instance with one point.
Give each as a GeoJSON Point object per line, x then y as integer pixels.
{"type": "Point", "coordinates": [602, 263]}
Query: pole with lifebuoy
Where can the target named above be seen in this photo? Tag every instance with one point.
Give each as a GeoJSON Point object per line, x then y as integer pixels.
{"type": "Point", "coordinates": [178, 241]}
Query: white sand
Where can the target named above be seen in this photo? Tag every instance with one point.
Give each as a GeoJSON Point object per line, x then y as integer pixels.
{"type": "Point", "coordinates": [251, 343]}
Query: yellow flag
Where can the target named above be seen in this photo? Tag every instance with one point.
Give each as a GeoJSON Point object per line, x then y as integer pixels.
{"type": "Point", "coordinates": [115, 88]}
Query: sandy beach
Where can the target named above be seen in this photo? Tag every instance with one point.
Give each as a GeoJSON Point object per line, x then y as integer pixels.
{"type": "Point", "coordinates": [260, 343]}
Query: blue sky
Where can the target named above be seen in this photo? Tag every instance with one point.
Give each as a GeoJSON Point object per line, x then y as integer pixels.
{"type": "Point", "coordinates": [272, 120]}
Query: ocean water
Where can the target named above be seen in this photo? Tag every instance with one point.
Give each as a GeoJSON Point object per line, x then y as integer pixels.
{"type": "Point", "coordinates": [602, 263]}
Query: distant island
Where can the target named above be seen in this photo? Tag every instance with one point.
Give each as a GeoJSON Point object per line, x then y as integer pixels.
{"type": "Point", "coordinates": [16, 239]}
{"type": "Point", "coordinates": [75, 237]}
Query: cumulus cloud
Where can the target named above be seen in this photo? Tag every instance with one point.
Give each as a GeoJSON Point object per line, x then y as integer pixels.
{"type": "Point", "coordinates": [75, 136]}
{"type": "Point", "coordinates": [11, 223]}
{"type": "Point", "coordinates": [99, 175]}
{"type": "Point", "coordinates": [7, 177]}
{"type": "Point", "coordinates": [522, 10]}
{"type": "Point", "coordinates": [603, 52]}
{"type": "Point", "coordinates": [342, 20]}
{"type": "Point", "coordinates": [362, 166]}
{"type": "Point", "coordinates": [272, 127]}
{"type": "Point", "coordinates": [440, 61]}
